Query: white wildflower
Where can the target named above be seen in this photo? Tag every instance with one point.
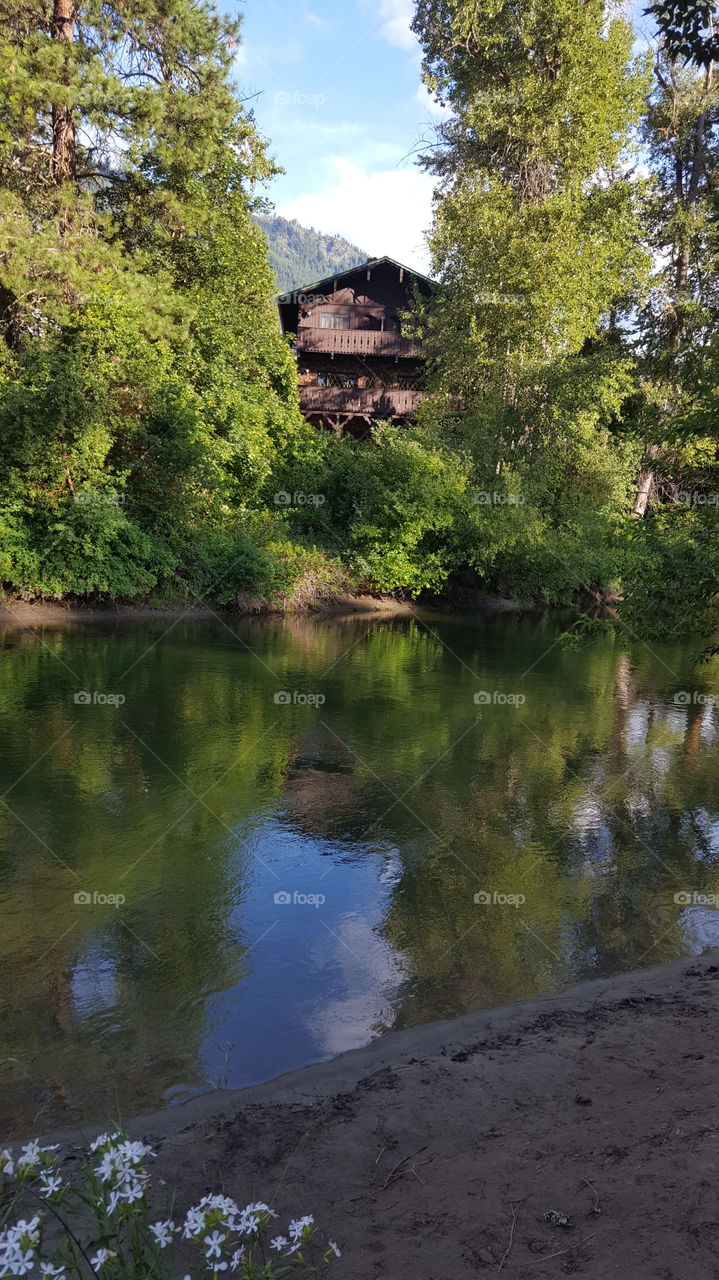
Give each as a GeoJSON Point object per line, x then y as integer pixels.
{"type": "Point", "coordinates": [113, 1200]}
{"type": "Point", "coordinates": [163, 1232]}
{"type": "Point", "coordinates": [27, 1230]}
{"type": "Point", "coordinates": [279, 1242]}
{"type": "Point", "coordinates": [19, 1262]}
{"type": "Point", "coordinates": [194, 1222]}
{"type": "Point", "coordinates": [248, 1223]}
{"type": "Point", "coordinates": [101, 1257]}
{"type": "Point", "coordinates": [336, 1251]}
{"type": "Point", "coordinates": [236, 1258]}
{"type": "Point", "coordinates": [7, 1164]}
{"type": "Point", "coordinates": [212, 1244]}
{"type": "Point", "coordinates": [134, 1152]}
{"type": "Point", "coordinates": [225, 1206]}
{"type": "Point", "coordinates": [132, 1189]}
{"type": "Point", "coordinates": [298, 1225]}
{"type": "Point", "coordinates": [29, 1155]}
{"type": "Point", "coordinates": [260, 1207]}
{"type": "Point", "coordinates": [102, 1140]}
{"type": "Point", "coordinates": [53, 1273]}
{"type": "Point", "coordinates": [50, 1183]}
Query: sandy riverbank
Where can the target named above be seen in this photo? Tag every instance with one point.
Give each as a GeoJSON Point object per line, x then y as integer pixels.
{"type": "Point", "coordinates": [42, 613]}
{"type": "Point", "coordinates": [20, 613]}
{"type": "Point", "coordinates": [430, 1151]}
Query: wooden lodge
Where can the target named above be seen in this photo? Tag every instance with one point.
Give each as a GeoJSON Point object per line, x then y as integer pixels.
{"type": "Point", "coordinates": [355, 364]}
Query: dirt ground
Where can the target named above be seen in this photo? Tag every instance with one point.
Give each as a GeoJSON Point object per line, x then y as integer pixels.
{"type": "Point", "coordinates": [569, 1135]}
{"type": "Point", "coordinates": [26, 614]}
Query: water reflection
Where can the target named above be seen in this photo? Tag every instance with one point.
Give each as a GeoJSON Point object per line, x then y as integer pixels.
{"type": "Point", "coordinates": [206, 803]}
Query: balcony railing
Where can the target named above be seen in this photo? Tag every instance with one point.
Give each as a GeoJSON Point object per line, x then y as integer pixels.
{"type": "Point", "coordinates": [355, 342]}
{"type": "Point", "coordinates": [374, 402]}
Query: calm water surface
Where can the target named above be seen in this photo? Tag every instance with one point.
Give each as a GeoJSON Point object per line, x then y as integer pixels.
{"type": "Point", "coordinates": [207, 799]}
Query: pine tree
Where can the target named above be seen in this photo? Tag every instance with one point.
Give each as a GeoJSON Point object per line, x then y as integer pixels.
{"type": "Point", "coordinates": [142, 359]}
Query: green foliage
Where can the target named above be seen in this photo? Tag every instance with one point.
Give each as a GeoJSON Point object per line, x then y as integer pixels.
{"type": "Point", "coordinates": [687, 29]}
{"type": "Point", "coordinates": [535, 234]}
{"type": "Point", "coordinates": [393, 506]}
{"type": "Point", "coordinates": [148, 401]}
{"type": "Point", "coordinates": [672, 573]}
{"type": "Point", "coordinates": [145, 390]}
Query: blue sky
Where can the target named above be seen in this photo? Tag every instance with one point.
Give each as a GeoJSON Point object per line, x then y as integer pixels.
{"type": "Point", "coordinates": [341, 101]}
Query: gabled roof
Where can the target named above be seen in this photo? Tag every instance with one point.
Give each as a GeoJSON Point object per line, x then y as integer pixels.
{"type": "Point", "coordinates": [369, 265]}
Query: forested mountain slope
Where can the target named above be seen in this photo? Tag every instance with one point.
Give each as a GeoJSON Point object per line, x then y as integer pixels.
{"type": "Point", "coordinates": [300, 255]}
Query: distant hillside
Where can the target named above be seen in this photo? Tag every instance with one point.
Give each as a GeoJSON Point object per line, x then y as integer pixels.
{"type": "Point", "coordinates": [300, 255]}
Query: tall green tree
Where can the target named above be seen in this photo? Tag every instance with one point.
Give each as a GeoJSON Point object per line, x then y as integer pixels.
{"type": "Point", "coordinates": [536, 241]}
{"type": "Point", "coordinates": [535, 233]}
{"type": "Point", "coordinates": [676, 327]}
{"type": "Point", "coordinates": [673, 564]}
{"type": "Point", "coordinates": [140, 357]}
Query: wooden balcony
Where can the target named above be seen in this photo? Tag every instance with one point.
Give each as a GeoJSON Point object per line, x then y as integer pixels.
{"type": "Point", "coordinates": [354, 342]}
{"type": "Point", "coordinates": [370, 402]}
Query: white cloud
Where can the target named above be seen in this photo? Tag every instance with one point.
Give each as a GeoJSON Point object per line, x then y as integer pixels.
{"type": "Point", "coordinates": [386, 212]}
{"type": "Point", "coordinates": [315, 20]}
{"type": "Point", "coordinates": [428, 103]}
{"type": "Point", "coordinates": [395, 17]}
{"type": "Point", "coordinates": [306, 131]}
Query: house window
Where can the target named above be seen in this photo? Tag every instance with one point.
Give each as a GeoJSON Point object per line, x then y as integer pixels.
{"type": "Point", "coordinates": [392, 324]}
{"type": "Point", "coordinates": [331, 320]}
{"type": "Point", "coordinates": [368, 321]}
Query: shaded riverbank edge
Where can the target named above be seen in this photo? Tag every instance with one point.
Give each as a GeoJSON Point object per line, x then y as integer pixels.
{"type": "Point", "coordinates": [426, 1151]}
{"type": "Point", "coordinates": [19, 613]}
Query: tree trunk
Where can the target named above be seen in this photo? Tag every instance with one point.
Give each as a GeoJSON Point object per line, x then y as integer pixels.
{"type": "Point", "coordinates": [63, 122]}
{"type": "Point", "coordinates": [645, 482]}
